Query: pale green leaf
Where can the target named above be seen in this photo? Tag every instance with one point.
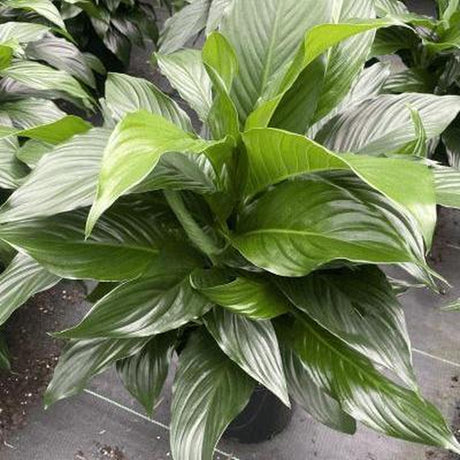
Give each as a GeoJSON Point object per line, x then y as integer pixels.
{"type": "Point", "coordinates": [447, 186]}
{"type": "Point", "coordinates": [44, 8]}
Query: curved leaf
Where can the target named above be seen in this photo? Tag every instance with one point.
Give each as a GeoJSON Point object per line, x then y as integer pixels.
{"type": "Point", "coordinates": [12, 171]}
{"type": "Point", "coordinates": [298, 226]}
{"type": "Point", "coordinates": [23, 32]}
{"type": "Point", "coordinates": [255, 298]}
{"type": "Point", "coordinates": [447, 186]}
{"type": "Point", "coordinates": [22, 279]}
{"type": "Point", "coordinates": [30, 113]}
{"type": "Point", "coordinates": [44, 8]}
{"type": "Point", "coordinates": [144, 373]}
{"type": "Point", "coordinates": [253, 346]}
{"type": "Point", "coordinates": [209, 391]}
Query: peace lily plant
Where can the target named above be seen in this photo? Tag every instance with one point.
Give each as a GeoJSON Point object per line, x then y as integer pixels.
{"type": "Point", "coordinates": [250, 250]}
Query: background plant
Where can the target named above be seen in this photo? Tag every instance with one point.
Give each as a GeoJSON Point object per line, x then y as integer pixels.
{"type": "Point", "coordinates": [251, 251]}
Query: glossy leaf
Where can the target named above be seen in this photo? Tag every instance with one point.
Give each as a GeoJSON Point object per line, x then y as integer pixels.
{"type": "Point", "coordinates": [209, 391]}
{"type": "Point", "coordinates": [44, 8]}
{"type": "Point", "coordinates": [12, 171]}
{"type": "Point", "coordinates": [447, 186]}
{"type": "Point", "coordinates": [252, 345]}
{"type": "Point", "coordinates": [31, 113]}
{"type": "Point", "coordinates": [84, 359]}
{"type": "Point", "coordinates": [23, 32]}
{"type": "Point", "coordinates": [255, 298]}
{"type": "Point", "coordinates": [311, 398]}
{"type": "Point", "coordinates": [144, 373]}
{"type": "Point", "coordinates": [362, 392]}
{"type": "Point", "coordinates": [298, 226]}
{"type": "Point", "coordinates": [358, 306]}
{"type": "Point", "coordinates": [22, 279]}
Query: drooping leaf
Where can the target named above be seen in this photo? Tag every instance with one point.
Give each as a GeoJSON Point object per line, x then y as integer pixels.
{"type": "Point", "coordinates": [255, 298]}
{"type": "Point", "coordinates": [311, 397]}
{"type": "Point", "coordinates": [297, 226]}
{"type": "Point", "coordinates": [252, 345]}
{"type": "Point", "coordinates": [209, 391]}
{"type": "Point", "coordinates": [140, 138]}
{"type": "Point", "coordinates": [362, 392]}
{"type": "Point", "coordinates": [125, 94]}
{"type": "Point", "coordinates": [144, 373]}
{"type": "Point", "coordinates": [447, 186]}
{"type": "Point", "coordinates": [187, 74]}
{"type": "Point", "coordinates": [22, 279]}
{"type": "Point", "coordinates": [358, 306]}
{"type": "Point", "coordinates": [44, 8]}
{"type": "Point", "coordinates": [82, 360]}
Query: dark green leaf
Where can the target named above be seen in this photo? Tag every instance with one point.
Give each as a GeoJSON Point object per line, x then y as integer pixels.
{"type": "Point", "coordinates": [4, 353]}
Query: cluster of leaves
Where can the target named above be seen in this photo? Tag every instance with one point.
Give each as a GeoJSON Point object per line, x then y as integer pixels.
{"type": "Point", "coordinates": [251, 250]}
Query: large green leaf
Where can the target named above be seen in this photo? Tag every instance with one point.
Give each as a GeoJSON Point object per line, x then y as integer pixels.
{"type": "Point", "coordinates": [217, 11]}
{"type": "Point", "coordinates": [254, 297]}
{"type": "Point", "coordinates": [447, 186]}
{"type": "Point", "coordinates": [362, 392]}
{"type": "Point", "coordinates": [384, 124]}
{"type": "Point", "coordinates": [125, 94]}
{"type": "Point", "coordinates": [209, 391]}
{"type": "Point", "coordinates": [4, 353]}
{"type": "Point", "coordinates": [298, 226]}
{"type": "Point", "coordinates": [63, 180]}
{"type": "Point", "coordinates": [12, 171]}
{"type": "Point", "coordinates": [266, 35]}
{"type": "Point", "coordinates": [252, 345]}
{"type": "Point", "coordinates": [274, 156]}
{"type": "Point", "coordinates": [140, 138]}
{"type": "Point", "coordinates": [144, 307]}
{"type": "Point", "coordinates": [311, 397]}
{"type": "Point", "coordinates": [23, 32]}
{"type": "Point", "coordinates": [358, 306]}
{"type": "Point", "coordinates": [30, 113]}
{"type": "Point", "coordinates": [44, 8]}
{"type": "Point", "coordinates": [22, 279]}
{"type": "Point", "coordinates": [82, 360]}
{"type": "Point", "coordinates": [187, 74]}
{"type": "Point", "coordinates": [123, 245]}
{"type": "Point", "coordinates": [144, 373]}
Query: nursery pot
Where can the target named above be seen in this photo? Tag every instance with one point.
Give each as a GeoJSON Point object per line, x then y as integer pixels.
{"type": "Point", "coordinates": [264, 417]}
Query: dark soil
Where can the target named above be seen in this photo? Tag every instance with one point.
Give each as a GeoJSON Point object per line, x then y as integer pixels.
{"type": "Point", "coordinates": [34, 353]}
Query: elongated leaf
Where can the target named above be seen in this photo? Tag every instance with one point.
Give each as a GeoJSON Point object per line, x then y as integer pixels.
{"type": "Point", "coordinates": [22, 279]}
{"type": "Point", "coordinates": [12, 171]}
{"type": "Point", "coordinates": [125, 94]}
{"type": "Point", "coordinates": [362, 392]}
{"type": "Point", "coordinates": [30, 113]}
{"type": "Point", "coordinates": [384, 124]}
{"type": "Point", "coordinates": [23, 32]}
{"type": "Point", "coordinates": [358, 306]}
{"type": "Point", "coordinates": [62, 55]}
{"type": "Point", "coordinates": [298, 226]}
{"type": "Point", "coordinates": [453, 306]}
{"type": "Point", "coordinates": [144, 373]}
{"type": "Point", "coordinates": [140, 138]}
{"type": "Point", "coordinates": [255, 298]}
{"type": "Point", "coordinates": [64, 180]}
{"type": "Point", "coordinates": [141, 308]}
{"type": "Point", "coordinates": [253, 346]}
{"type": "Point", "coordinates": [122, 247]}
{"type": "Point", "coordinates": [4, 353]}
{"type": "Point", "coordinates": [310, 397]}
{"type": "Point", "coordinates": [447, 186]}
{"type": "Point", "coordinates": [43, 78]}
{"type": "Point", "coordinates": [451, 139]}
{"type": "Point", "coordinates": [217, 11]}
{"type": "Point", "coordinates": [187, 74]}
{"type": "Point", "coordinates": [44, 8]}
{"type": "Point", "coordinates": [275, 155]}
{"type": "Point", "coordinates": [209, 392]}
{"type": "Point", "coordinates": [82, 360]}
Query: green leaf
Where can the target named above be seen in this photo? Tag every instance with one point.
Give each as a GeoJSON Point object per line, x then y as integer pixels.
{"type": "Point", "coordinates": [453, 306]}
{"type": "Point", "coordinates": [4, 353]}
{"type": "Point", "coordinates": [125, 94]}
{"type": "Point", "coordinates": [6, 56]}
{"type": "Point", "coordinates": [12, 171]}
{"type": "Point", "coordinates": [84, 359]}
{"type": "Point", "coordinates": [141, 308]}
{"type": "Point", "coordinates": [63, 180]}
{"type": "Point", "coordinates": [311, 398]}
{"type": "Point", "coordinates": [30, 113]}
{"type": "Point", "coordinates": [187, 74]}
{"type": "Point", "coordinates": [274, 156]}
{"type": "Point", "coordinates": [23, 32]}
{"type": "Point", "coordinates": [144, 373]}
{"type": "Point", "coordinates": [451, 139]}
{"type": "Point", "coordinates": [184, 25]}
{"type": "Point", "coordinates": [22, 279]}
{"type": "Point", "coordinates": [140, 138]}
{"type": "Point", "coordinates": [362, 392]}
{"type": "Point", "coordinates": [384, 124]}
{"type": "Point", "coordinates": [253, 297]}
{"type": "Point", "coordinates": [385, 7]}
{"type": "Point", "coordinates": [44, 8]}
{"type": "Point", "coordinates": [123, 245]}
{"type": "Point", "coordinates": [43, 78]}
{"type": "Point", "coordinates": [447, 186]}
{"type": "Point", "coordinates": [217, 11]}
{"type": "Point", "coordinates": [209, 391]}
{"type": "Point", "coordinates": [253, 346]}
{"type": "Point", "coordinates": [419, 146]}
{"type": "Point", "coordinates": [358, 306]}
{"type": "Point", "coordinates": [296, 227]}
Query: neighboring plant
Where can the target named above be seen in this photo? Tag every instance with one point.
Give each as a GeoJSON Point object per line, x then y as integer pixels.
{"type": "Point", "coordinates": [252, 251]}
{"type": "Point", "coordinates": [119, 24]}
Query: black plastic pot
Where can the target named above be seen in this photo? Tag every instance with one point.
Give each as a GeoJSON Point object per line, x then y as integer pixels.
{"type": "Point", "coordinates": [263, 418]}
